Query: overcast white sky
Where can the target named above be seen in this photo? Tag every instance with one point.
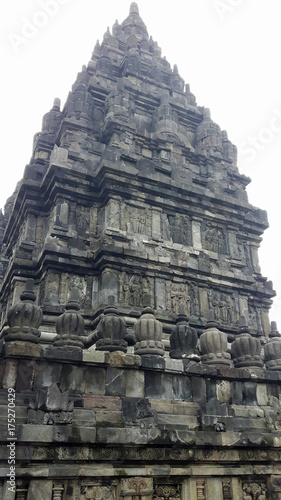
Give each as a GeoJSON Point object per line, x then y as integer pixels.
{"type": "Point", "coordinates": [228, 50]}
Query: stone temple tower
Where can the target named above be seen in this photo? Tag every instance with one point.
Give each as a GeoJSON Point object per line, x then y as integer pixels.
{"type": "Point", "coordinates": [137, 359]}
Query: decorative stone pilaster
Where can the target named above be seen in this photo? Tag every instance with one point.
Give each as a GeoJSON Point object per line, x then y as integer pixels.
{"type": "Point", "coordinates": [275, 487]}
{"type": "Point", "coordinates": [148, 332]}
{"type": "Point", "coordinates": [183, 339]}
{"type": "Point", "coordinates": [272, 349]}
{"type": "Point", "coordinates": [213, 344]}
{"type": "Point", "coordinates": [25, 317]}
{"type": "Point", "coordinates": [70, 325]}
{"type": "Point", "coordinates": [246, 349]}
{"type": "Point", "coordinates": [111, 330]}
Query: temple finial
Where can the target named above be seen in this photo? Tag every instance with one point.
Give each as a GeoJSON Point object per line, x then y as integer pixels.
{"type": "Point", "coordinates": [56, 105]}
{"type": "Point", "coordinates": [134, 8]}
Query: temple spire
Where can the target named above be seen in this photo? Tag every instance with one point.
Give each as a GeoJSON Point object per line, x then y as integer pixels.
{"type": "Point", "coordinates": [134, 8]}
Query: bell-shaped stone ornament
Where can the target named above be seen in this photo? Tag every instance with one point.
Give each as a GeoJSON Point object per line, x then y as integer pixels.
{"type": "Point", "coordinates": [148, 332]}
{"type": "Point", "coordinates": [70, 325]}
{"type": "Point", "coordinates": [214, 344]}
{"type": "Point", "coordinates": [183, 339]}
{"type": "Point", "coordinates": [111, 330]}
{"type": "Point", "coordinates": [25, 317]}
{"type": "Point", "coordinates": [246, 349]}
{"type": "Point", "coordinates": [272, 349]}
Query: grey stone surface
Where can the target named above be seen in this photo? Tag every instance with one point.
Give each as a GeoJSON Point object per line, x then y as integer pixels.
{"type": "Point", "coordinates": [40, 490]}
{"type": "Point", "coordinates": [133, 221]}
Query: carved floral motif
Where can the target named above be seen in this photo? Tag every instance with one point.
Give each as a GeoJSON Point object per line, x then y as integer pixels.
{"type": "Point", "coordinates": [97, 492]}
{"type": "Point", "coordinates": [254, 491]}
{"type": "Point", "coordinates": [167, 492]}
{"type": "Point", "coordinates": [137, 488]}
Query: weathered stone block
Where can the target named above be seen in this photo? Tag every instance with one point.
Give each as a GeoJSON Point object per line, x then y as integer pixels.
{"type": "Point", "coordinates": [262, 396]}
{"type": "Point", "coordinates": [82, 416]}
{"type": "Point", "coordinates": [182, 388]}
{"type": "Point", "coordinates": [18, 349]}
{"type": "Point", "coordinates": [46, 373]}
{"type": "Point", "coordinates": [153, 362]}
{"type": "Point", "coordinates": [40, 489]}
{"type": "Point", "coordinates": [25, 376]}
{"type": "Point", "coordinates": [83, 379]}
{"type": "Point", "coordinates": [102, 402]}
{"type": "Point", "coordinates": [111, 435]}
{"type": "Point", "coordinates": [214, 488]}
{"type": "Point", "coordinates": [72, 433]}
{"type": "Point", "coordinates": [66, 353]}
{"type": "Point", "coordinates": [224, 391]}
{"type": "Point", "coordinates": [162, 406]}
{"type": "Point", "coordinates": [35, 433]}
{"type": "Point", "coordinates": [95, 357]}
{"type": "Point", "coordinates": [115, 382]}
{"type": "Point", "coordinates": [10, 374]}
{"type": "Point", "coordinates": [120, 359]}
{"type": "Point", "coordinates": [250, 393]}
{"type": "Point", "coordinates": [173, 365]}
{"type": "Point", "coordinates": [109, 418]}
{"type": "Point", "coordinates": [177, 421]}
{"type": "Point", "coordinates": [158, 385]}
{"type": "Point", "coordinates": [198, 389]}
{"type": "Point", "coordinates": [237, 392]}
{"type": "Point", "coordinates": [134, 383]}
{"type": "Point", "coordinates": [185, 408]}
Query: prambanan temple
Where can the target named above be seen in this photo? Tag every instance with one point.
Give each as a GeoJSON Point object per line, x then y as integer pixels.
{"type": "Point", "coordinates": [136, 350]}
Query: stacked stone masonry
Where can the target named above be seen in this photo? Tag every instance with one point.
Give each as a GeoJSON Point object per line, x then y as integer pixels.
{"type": "Point", "coordinates": [135, 341]}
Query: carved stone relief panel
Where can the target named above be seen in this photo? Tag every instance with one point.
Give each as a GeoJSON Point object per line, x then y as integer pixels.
{"type": "Point", "coordinates": [137, 488]}
{"type": "Point", "coordinates": [176, 294]}
{"type": "Point", "coordinates": [61, 214]}
{"type": "Point", "coordinates": [160, 294]}
{"type": "Point", "coordinates": [41, 230]}
{"type": "Point", "coordinates": [113, 214]}
{"type": "Point", "coordinates": [180, 229]}
{"type": "Point", "coordinates": [98, 492]}
{"type": "Point", "coordinates": [93, 220]}
{"type": "Point", "coordinates": [134, 289]}
{"type": "Point", "coordinates": [101, 220]}
{"type": "Point", "coordinates": [223, 306]}
{"type": "Point", "coordinates": [167, 492]}
{"type": "Point", "coordinates": [255, 318]}
{"type": "Point", "coordinates": [137, 220]}
{"type": "Point", "coordinates": [214, 240]}
{"type": "Point", "coordinates": [245, 253]}
{"type": "Point", "coordinates": [169, 295]}
{"type": "Point", "coordinates": [182, 173]}
{"type": "Point", "coordinates": [254, 491]}
{"type": "Point", "coordinates": [194, 300]}
{"type": "Point", "coordinates": [82, 219]}
{"type": "Point", "coordinates": [52, 288]}
{"type": "Point", "coordinates": [80, 283]}
{"type": "Point", "coordinates": [108, 284]}
{"type": "Point", "coordinates": [165, 228]}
